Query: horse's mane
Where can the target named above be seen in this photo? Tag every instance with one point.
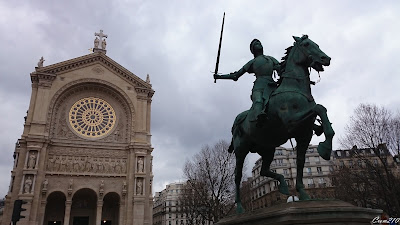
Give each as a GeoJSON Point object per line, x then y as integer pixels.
{"type": "Point", "coordinates": [284, 58]}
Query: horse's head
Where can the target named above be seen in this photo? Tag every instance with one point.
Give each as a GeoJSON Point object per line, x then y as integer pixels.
{"type": "Point", "coordinates": [309, 54]}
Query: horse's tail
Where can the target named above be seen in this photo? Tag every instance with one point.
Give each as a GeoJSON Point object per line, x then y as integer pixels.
{"type": "Point", "coordinates": [236, 130]}
{"type": "Point", "coordinates": [230, 149]}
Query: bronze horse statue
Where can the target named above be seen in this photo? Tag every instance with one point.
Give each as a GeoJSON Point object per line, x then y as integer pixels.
{"type": "Point", "coordinates": [291, 113]}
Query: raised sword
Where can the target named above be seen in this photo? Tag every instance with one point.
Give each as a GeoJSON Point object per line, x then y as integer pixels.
{"type": "Point", "coordinates": [219, 48]}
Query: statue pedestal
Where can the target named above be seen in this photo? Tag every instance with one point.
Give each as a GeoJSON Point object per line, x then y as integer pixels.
{"type": "Point", "coordinates": [100, 50]}
{"type": "Point", "coordinates": [306, 213]}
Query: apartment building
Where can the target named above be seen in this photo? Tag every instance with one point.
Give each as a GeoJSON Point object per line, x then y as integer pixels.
{"type": "Point", "coordinates": [264, 191]}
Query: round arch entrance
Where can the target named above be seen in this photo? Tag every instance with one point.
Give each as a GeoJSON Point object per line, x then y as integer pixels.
{"type": "Point", "coordinates": [55, 208]}
{"type": "Point", "coordinates": [83, 208]}
{"type": "Point", "coordinates": [110, 212]}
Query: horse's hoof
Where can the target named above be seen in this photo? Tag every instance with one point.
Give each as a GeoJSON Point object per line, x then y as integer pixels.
{"type": "Point", "coordinates": [283, 189]}
{"type": "Point", "coordinates": [239, 208]}
{"type": "Point", "coordinates": [304, 195]}
{"type": "Point", "coordinates": [324, 150]}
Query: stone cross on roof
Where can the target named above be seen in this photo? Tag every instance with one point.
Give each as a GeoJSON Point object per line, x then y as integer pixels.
{"type": "Point", "coordinates": [102, 42]}
{"type": "Point", "coordinates": [101, 35]}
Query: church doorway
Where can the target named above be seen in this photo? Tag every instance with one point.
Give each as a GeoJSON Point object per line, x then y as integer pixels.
{"type": "Point", "coordinates": [55, 208]}
{"type": "Point", "coordinates": [83, 208]}
{"type": "Point", "coordinates": [110, 212]}
{"type": "Point", "coordinates": [81, 220]}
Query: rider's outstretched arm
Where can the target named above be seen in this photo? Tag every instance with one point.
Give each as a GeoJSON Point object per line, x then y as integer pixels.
{"type": "Point", "coordinates": [235, 75]}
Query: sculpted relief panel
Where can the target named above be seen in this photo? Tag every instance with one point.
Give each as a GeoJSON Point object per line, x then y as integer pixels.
{"type": "Point", "coordinates": [87, 161]}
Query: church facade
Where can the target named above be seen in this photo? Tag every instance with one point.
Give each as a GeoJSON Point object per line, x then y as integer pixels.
{"type": "Point", "coordinates": [84, 156]}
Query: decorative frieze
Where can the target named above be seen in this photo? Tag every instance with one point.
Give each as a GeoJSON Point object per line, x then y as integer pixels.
{"type": "Point", "coordinates": [93, 162]}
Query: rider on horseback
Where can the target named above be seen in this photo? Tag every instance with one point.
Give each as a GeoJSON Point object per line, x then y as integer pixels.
{"type": "Point", "coordinates": [262, 66]}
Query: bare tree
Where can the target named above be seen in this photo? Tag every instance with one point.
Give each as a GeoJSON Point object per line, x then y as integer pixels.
{"type": "Point", "coordinates": [373, 181]}
{"type": "Point", "coordinates": [210, 186]}
{"type": "Point", "coordinates": [370, 126]}
{"type": "Point", "coordinates": [394, 135]}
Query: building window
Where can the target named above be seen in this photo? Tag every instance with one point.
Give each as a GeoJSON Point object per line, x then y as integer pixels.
{"type": "Point", "coordinates": [338, 153]}
{"type": "Point", "coordinates": [351, 163]}
{"type": "Point", "coordinates": [310, 183]}
{"type": "Point", "coordinates": [285, 172]}
{"type": "Point", "coordinates": [341, 165]}
{"type": "Point", "coordinates": [309, 171]}
{"type": "Point", "coordinates": [317, 159]}
{"type": "Point", "coordinates": [319, 170]}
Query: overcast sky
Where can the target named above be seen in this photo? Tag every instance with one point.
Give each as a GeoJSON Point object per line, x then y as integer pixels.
{"type": "Point", "coordinates": [176, 43]}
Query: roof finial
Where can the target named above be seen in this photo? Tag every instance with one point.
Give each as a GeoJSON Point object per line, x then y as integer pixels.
{"type": "Point", "coordinates": [97, 42]}
{"type": "Point", "coordinates": [148, 79]}
{"type": "Point", "coordinates": [40, 63]}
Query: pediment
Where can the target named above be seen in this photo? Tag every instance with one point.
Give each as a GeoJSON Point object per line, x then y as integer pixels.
{"type": "Point", "coordinates": [51, 71]}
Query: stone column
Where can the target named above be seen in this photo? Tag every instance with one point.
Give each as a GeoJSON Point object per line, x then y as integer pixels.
{"type": "Point", "coordinates": [98, 212]}
{"type": "Point", "coordinates": [42, 210]}
{"type": "Point", "coordinates": [121, 213]}
{"type": "Point", "coordinates": [67, 212]}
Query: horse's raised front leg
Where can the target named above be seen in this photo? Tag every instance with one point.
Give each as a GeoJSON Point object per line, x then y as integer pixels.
{"type": "Point", "coordinates": [301, 148]}
{"type": "Point", "coordinates": [325, 147]}
{"type": "Point", "coordinates": [267, 158]}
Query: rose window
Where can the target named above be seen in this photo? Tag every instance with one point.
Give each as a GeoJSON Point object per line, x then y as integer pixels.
{"type": "Point", "coordinates": [92, 117]}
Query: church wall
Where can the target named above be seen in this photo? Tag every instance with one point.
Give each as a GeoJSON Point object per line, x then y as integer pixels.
{"type": "Point", "coordinates": [62, 157]}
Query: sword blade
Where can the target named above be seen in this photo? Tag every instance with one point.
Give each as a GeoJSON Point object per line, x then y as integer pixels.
{"type": "Point", "coordinates": [219, 48]}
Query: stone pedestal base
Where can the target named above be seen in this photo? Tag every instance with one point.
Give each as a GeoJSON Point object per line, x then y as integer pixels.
{"type": "Point", "coordinates": [306, 213]}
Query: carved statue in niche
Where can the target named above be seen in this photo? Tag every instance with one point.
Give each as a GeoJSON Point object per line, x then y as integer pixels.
{"type": "Point", "coordinates": [32, 160]}
{"type": "Point", "coordinates": [140, 165]}
{"type": "Point", "coordinates": [45, 183]}
{"type": "Point", "coordinates": [139, 186]}
{"type": "Point", "coordinates": [28, 184]}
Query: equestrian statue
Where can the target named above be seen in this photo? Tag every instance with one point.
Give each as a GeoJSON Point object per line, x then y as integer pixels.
{"type": "Point", "coordinates": [280, 111]}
